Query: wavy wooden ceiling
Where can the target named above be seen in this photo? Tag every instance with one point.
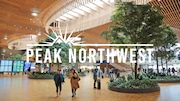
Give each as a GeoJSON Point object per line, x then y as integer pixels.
{"type": "Point", "coordinates": [170, 10]}
{"type": "Point", "coordinates": [16, 19]}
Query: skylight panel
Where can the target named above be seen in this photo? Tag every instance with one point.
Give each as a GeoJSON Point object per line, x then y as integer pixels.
{"type": "Point", "coordinates": [84, 8]}
{"type": "Point", "coordinates": [79, 11]}
{"type": "Point", "coordinates": [69, 16]}
{"type": "Point", "coordinates": [73, 13]}
{"type": "Point", "coordinates": [58, 19]}
{"type": "Point", "coordinates": [99, 3]}
{"type": "Point", "coordinates": [64, 18]}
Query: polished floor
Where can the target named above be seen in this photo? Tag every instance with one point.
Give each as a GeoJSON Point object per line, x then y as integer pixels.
{"type": "Point", "coordinates": [20, 88]}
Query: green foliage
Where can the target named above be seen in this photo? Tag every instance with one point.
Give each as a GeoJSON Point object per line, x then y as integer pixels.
{"type": "Point", "coordinates": [133, 84]}
{"type": "Point", "coordinates": [63, 46]}
{"type": "Point", "coordinates": [15, 57]}
{"type": "Point", "coordinates": [38, 75]}
{"type": "Point", "coordinates": [81, 74]}
{"type": "Point", "coordinates": [116, 82]}
{"type": "Point", "coordinates": [150, 75]}
{"type": "Point", "coordinates": [164, 44]}
{"type": "Point", "coordinates": [130, 77]}
{"type": "Point", "coordinates": [138, 84]}
{"type": "Point", "coordinates": [64, 54]}
{"type": "Point", "coordinates": [168, 77]}
{"type": "Point", "coordinates": [52, 35]}
{"type": "Point", "coordinates": [134, 24]}
{"type": "Point", "coordinates": [144, 81]}
{"type": "Point", "coordinates": [161, 76]}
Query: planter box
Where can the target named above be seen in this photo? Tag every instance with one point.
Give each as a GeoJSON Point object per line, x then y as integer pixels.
{"type": "Point", "coordinates": [126, 90]}
{"type": "Point", "coordinates": [167, 81]}
{"type": "Point", "coordinates": [38, 78]}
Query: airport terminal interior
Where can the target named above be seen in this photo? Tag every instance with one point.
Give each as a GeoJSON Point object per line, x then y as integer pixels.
{"type": "Point", "coordinates": [94, 50]}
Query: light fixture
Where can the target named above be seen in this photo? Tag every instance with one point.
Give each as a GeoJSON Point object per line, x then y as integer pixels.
{"type": "Point", "coordinates": [39, 32]}
{"type": "Point", "coordinates": [34, 11]}
{"type": "Point", "coordinates": [5, 37]}
{"type": "Point", "coordinates": [4, 50]}
{"type": "Point", "coordinates": [34, 14]}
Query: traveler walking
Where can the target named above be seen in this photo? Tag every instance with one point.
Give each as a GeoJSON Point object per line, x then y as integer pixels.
{"type": "Point", "coordinates": [74, 78]}
{"type": "Point", "coordinates": [58, 79]}
{"type": "Point", "coordinates": [95, 77]}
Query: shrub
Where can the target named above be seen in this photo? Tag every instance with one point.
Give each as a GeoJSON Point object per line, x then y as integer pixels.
{"type": "Point", "coordinates": [130, 77]}
{"type": "Point", "coordinates": [133, 84]}
{"type": "Point", "coordinates": [142, 82]}
{"type": "Point", "coordinates": [168, 77]}
{"type": "Point", "coordinates": [116, 82]}
{"type": "Point", "coordinates": [81, 74]}
{"type": "Point", "coordinates": [139, 84]}
{"type": "Point", "coordinates": [38, 75]}
{"type": "Point", "coordinates": [161, 76]}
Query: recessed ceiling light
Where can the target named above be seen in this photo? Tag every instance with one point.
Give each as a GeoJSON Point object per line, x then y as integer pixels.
{"type": "Point", "coordinates": [34, 14]}
{"type": "Point", "coordinates": [34, 11]}
{"type": "Point", "coordinates": [39, 33]}
{"type": "Point", "coordinates": [5, 37]}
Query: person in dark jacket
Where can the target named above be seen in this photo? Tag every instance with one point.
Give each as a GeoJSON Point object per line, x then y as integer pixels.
{"type": "Point", "coordinates": [58, 79]}
{"type": "Point", "coordinates": [95, 77]}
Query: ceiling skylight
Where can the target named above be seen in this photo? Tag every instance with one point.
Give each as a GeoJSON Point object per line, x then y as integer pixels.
{"type": "Point", "coordinates": [92, 6]}
{"type": "Point", "coordinates": [79, 11]}
{"type": "Point", "coordinates": [80, 8]}
{"type": "Point", "coordinates": [84, 8]}
{"type": "Point", "coordinates": [73, 13]}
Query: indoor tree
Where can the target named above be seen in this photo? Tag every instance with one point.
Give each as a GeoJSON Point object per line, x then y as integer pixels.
{"type": "Point", "coordinates": [134, 24]}
{"type": "Point", "coordinates": [15, 57]}
{"type": "Point", "coordinates": [163, 46]}
{"type": "Point", "coordinates": [58, 45]}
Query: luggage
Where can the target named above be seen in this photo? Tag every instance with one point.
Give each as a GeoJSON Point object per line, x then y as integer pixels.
{"type": "Point", "coordinates": [98, 84]}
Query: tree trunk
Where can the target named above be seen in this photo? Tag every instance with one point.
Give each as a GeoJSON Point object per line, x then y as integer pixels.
{"type": "Point", "coordinates": [162, 62]}
{"type": "Point", "coordinates": [135, 67]}
{"type": "Point", "coordinates": [167, 66]}
{"type": "Point", "coordinates": [157, 64]}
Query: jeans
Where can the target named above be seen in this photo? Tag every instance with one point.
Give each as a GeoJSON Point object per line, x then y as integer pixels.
{"type": "Point", "coordinates": [95, 83]}
{"type": "Point", "coordinates": [58, 86]}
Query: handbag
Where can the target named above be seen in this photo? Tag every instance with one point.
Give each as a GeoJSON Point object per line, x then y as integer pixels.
{"type": "Point", "coordinates": [74, 77]}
